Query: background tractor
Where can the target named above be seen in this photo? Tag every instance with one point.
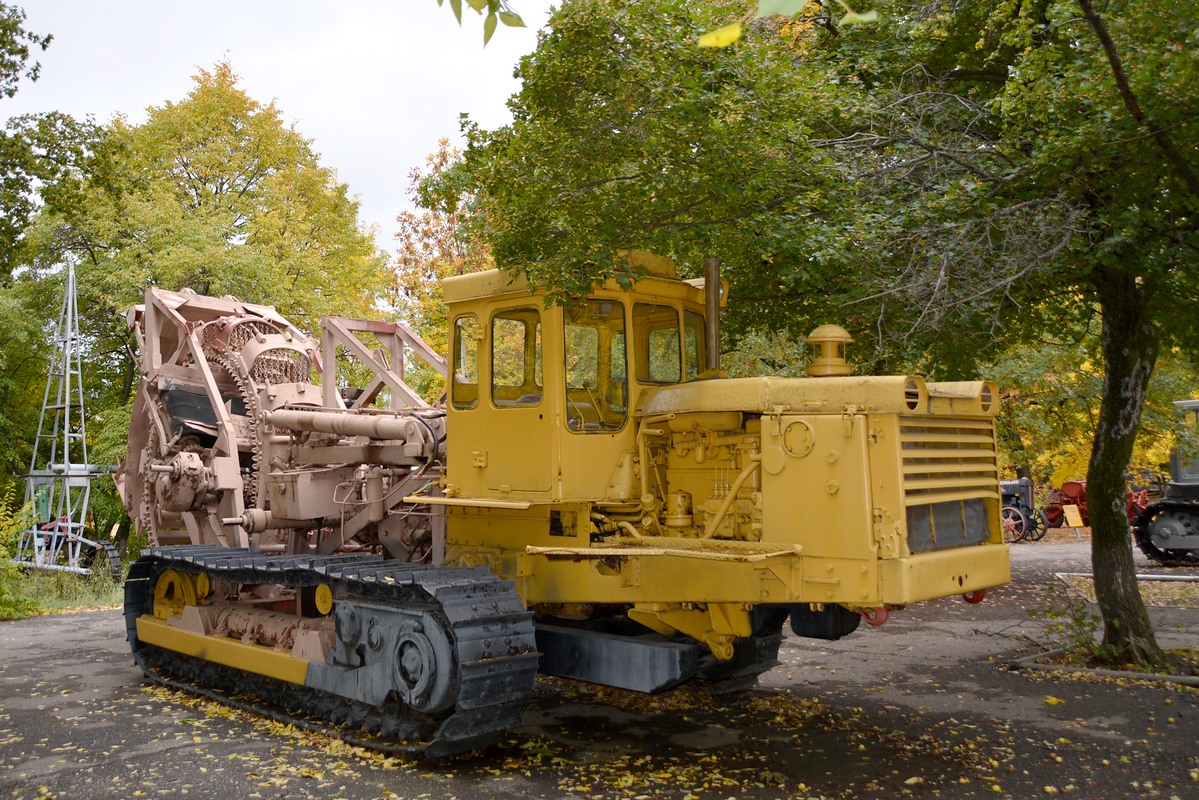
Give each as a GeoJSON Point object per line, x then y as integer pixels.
{"type": "Point", "coordinates": [1167, 529]}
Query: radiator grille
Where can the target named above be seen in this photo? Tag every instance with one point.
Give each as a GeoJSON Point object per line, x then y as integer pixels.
{"type": "Point", "coordinates": [949, 472]}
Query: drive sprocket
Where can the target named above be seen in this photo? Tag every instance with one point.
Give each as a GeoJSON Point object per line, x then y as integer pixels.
{"type": "Point", "coordinates": [1142, 531]}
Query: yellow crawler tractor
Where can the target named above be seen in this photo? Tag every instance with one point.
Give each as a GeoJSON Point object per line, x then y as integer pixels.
{"type": "Point", "coordinates": [590, 499]}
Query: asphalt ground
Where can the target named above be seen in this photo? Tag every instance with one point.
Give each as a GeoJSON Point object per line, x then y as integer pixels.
{"type": "Point", "coordinates": [924, 706]}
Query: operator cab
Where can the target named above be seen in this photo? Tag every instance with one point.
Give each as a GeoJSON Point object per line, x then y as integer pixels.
{"type": "Point", "coordinates": [1184, 468]}
{"type": "Point", "coordinates": [536, 387]}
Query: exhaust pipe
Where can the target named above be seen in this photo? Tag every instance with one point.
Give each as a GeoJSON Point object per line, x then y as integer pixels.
{"type": "Point", "coordinates": [712, 309]}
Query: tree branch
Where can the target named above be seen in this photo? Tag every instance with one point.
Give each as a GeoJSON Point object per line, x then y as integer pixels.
{"type": "Point", "coordinates": [586, 187]}
{"type": "Point", "coordinates": [987, 75]}
{"type": "Point", "coordinates": [1163, 141]}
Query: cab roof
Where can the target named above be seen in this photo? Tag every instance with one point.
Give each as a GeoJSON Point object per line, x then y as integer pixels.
{"type": "Point", "coordinates": [496, 283]}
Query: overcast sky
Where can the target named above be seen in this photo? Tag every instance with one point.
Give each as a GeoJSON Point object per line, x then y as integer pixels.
{"type": "Point", "coordinates": [374, 83]}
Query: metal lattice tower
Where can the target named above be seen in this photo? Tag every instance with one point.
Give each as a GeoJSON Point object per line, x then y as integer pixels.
{"type": "Point", "coordinates": [58, 485]}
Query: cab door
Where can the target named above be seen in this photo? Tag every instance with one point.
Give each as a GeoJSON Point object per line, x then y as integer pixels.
{"type": "Point", "coordinates": [518, 455]}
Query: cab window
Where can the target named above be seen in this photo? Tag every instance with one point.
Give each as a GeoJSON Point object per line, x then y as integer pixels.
{"type": "Point", "coordinates": [694, 356]}
{"type": "Point", "coordinates": [659, 355]}
{"type": "Point", "coordinates": [595, 373]}
{"type": "Point", "coordinates": [464, 390]}
{"type": "Point", "coordinates": [516, 357]}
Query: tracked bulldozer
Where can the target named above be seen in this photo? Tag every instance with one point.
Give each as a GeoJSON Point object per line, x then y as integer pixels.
{"type": "Point", "coordinates": [590, 498]}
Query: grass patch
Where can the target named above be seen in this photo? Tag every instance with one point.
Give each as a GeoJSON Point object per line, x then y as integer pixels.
{"type": "Point", "coordinates": [56, 592]}
{"type": "Point", "coordinates": [1156, 593]}
{"type": "Point", "coordinates": [28, 593]}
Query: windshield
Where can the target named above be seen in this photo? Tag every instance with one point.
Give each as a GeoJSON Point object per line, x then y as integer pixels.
{"type": "Point", "coordinates": [596, 373]}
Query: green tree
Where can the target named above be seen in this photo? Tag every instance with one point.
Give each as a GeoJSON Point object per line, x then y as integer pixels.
{"type": "Point", "coordinates": [34, 148]}
{"type": "Point", "coordinates": [214, 193]}
{"type": "Point", "coordinates": [19, 153]}
{"type": "Point", "coordinates": [217, 194]}
{"type": "Point", "coordinates": [627, 136]}
{"type": "Point", "coordinates": [431, 245]}
{"type": "Point", "coordinates": [954, 179]}
{"type": "Point", "coordinates": [1047, 153]}
{"type": "Point", "coordinates": [36, 152]}
{"type": "Point", "coordinates": [1052, 394]}
{"type": "Point", "coordinates": [23, 358]}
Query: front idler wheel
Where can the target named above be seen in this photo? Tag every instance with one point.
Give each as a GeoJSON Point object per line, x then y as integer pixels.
{"type": "Point", "coordinates": [424, 666]}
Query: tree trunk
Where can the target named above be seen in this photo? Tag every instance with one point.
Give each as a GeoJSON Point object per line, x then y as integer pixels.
{"type": "Point", "coordinates": [129, 371]}
{"type": "Point", "coordinates": [1130, 345]}
{"type": "Point", "coordinates": [1011, 432]}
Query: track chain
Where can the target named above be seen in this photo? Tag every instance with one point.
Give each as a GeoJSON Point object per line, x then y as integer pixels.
{"type": "Point", "coordinates": [1144, 540]}
{"type": "Point", "coordinates": [496, 658]}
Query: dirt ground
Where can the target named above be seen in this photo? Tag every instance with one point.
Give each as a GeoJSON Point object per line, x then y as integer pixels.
{"type": "Point", "coordinates": [925, 706]}
{"type": "Point", "coordinates": [1066, 535]}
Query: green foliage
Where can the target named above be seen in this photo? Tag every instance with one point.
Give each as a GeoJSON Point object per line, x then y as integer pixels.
{"type": "Point", "coordinates": [1072, 627]}
{"type": "Point", "coordinates": [765, 353]}
{"type": "Point", "coordinates": [1052, 391]}
{"type": "Point", "coordinates": [24, 594]}
{"type": "Point", "coordinates": [14, 601]}
{"type": "Point", "coordinates": [432, 245]}
{"type": "Point", "coordinates": [496, 11]}
{"type": "Point", "coordinates": [214, 193]}
{"type": "Point", "coordinates": [1012, 150]}
{"type": "Point", "coordinates": [23, 359]}
{"type": "Point", "coordinates": [952, 179]}
{"type": "Point", "coordinates": [628, 137]}
{"type": "Point", "coordinates": [35, 149]}
{"type": "Point", "coordinates": [67, 591]}
{"type": "Point", "coordinates": [38, 151]}
{"type": "Point", "coordinates": [16, 46]}
{"type": "Point", "coordinates": [108, 429]}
